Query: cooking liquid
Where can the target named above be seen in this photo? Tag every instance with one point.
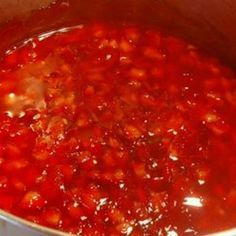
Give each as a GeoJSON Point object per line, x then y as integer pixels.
{"type": "Point", "coordinates": [117, 130]}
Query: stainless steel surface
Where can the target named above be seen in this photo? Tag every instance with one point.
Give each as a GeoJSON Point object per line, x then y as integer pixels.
{"type": "Point", "coordinates": [7, 229]}
{"type": "Point", "coordinates": [210, 24]}
{"type": "Point", "coordinates": [11, 225]}
{"type": "Point", "coordinates": [15, 7]}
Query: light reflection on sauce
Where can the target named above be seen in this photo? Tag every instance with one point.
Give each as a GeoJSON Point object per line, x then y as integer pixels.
{"type": "Point", "coordinates": [193, 201]}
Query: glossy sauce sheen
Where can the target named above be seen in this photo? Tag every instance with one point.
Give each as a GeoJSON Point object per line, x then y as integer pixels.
{"type": "Point", "coordinates": [117, 130]}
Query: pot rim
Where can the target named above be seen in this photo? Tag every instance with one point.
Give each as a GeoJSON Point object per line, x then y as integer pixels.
{"type": "Point", "coordinates": [22, 223]}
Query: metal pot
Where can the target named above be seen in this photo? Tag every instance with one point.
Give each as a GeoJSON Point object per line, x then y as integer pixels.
{"type": "Point", "coordinates": [208, 24]}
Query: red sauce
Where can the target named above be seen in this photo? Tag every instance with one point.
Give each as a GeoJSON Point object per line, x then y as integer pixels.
{"type": "Point", "coordinates": [111, 130]}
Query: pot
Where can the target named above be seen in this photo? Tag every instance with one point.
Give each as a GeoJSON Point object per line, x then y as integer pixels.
{"type": "Point", "coordinates": [208, 24]}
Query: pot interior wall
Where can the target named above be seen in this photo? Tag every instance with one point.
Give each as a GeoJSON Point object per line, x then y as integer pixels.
{"type": "Point", "coordinates": [209, 24]}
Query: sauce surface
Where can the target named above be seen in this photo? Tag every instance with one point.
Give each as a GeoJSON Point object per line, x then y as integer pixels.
{"type": "Point", "coordinates": [117, 130]}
